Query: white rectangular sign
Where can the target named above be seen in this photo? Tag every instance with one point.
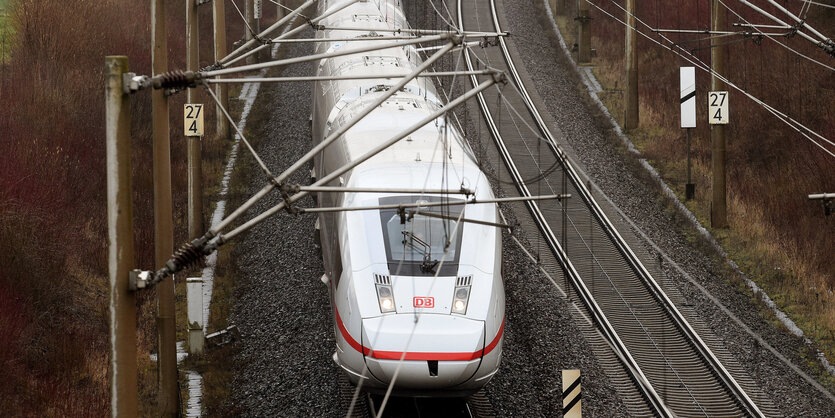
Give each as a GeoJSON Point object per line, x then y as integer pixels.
{"type": "Point", "coordinates": [193, 119]}
{"type": "Point", "coordinates": [717, 108]}
{"type": "Point", "coordinates": [688, 97]}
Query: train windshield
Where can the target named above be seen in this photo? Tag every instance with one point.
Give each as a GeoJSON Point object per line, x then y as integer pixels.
{"type": "Point", "coordinates": [418, 238]}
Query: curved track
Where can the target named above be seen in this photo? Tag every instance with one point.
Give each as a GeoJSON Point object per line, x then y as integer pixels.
{"type": "Point", "coordinates": [675, 372]}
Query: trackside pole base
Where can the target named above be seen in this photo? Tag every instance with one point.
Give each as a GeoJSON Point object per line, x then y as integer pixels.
{"type": "Point", "coordinates": [194, 296]}
{"type": "Point", "coordinates": [690, 187]}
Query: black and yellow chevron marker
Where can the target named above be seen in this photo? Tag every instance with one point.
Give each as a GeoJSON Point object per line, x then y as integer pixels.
{"type": "Point", "coordinates": [571, 405]}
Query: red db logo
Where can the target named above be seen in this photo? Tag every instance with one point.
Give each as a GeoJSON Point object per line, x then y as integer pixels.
{"type": "Point", "coordinates": [423, 302]}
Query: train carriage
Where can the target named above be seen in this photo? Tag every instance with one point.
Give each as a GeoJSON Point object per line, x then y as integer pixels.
{"type": "Point", "coordinates": [418, 296]}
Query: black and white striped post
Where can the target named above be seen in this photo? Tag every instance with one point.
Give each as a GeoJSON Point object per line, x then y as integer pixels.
{"type": "Point", "coordinates": [571, 394]}
{"type": "Point", "coordinates": [688, 119]}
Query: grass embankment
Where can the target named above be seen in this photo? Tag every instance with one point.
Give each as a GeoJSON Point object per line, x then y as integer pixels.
{"type": "Point", "coordinates": [53, 270]}
{"type": "Point", "coordinates": [781, 240]}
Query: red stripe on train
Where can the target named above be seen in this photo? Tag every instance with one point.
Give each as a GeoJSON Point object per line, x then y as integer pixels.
{"type": "Point", "coordinates": [397, 355]}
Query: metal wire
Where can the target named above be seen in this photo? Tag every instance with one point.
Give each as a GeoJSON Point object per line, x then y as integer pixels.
{"type": "Point", "coordinates": [794, 124]}
{"type": "Point", "coordinates": [238, 130]}
{"type": "Point", "coordinates": [252, 32]}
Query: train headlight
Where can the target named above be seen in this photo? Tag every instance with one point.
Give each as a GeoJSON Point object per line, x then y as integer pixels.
{"type": "Point", "coordinates": [385, 297]}
{"type": "Point", "coordinates": [460, 299]}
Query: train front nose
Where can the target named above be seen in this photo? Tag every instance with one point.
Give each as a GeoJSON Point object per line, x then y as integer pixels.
{"type": "Point", "coordinates": [438, 351]}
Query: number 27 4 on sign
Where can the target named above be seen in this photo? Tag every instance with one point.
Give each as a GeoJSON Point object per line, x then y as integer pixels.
{"type": "Point", "coordinates": [717, 107]}
{"type": "Point", "coordinates": [193, 119]}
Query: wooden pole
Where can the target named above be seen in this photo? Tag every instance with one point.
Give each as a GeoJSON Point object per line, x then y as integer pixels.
{"type": "Point", "coordinates": [584, 32]}
{"type": "Point", "coordinates": [249, 14]}
{"type": "Point", "coordinates": [163, 220]}
{"type": "Point", "coordinates": [560, 8]}
{"type": "Point", "coordinates": [123, 398]}
{"type": "Point", "coordinates": [222, 91]}
{"type": "Point", "coordinates": [279, 11]}
{"type": "Point", "coordinates": [195, 162]}
{"type": "Point", "coordinates": [689, 187]}
{"type": "Point", "coordinates": [631, 117]}
{"type": "Point", "coordinates": [195, 159]}
{"type": "Point", "coordinates": [718, 55]}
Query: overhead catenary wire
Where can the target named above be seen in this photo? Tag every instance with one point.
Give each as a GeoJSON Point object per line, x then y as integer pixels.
{"type": "Point", "coordinates": [446, 228]}
{"type": "Point", "coordinates": [612, 339]}
{"type": "Point", "coordinates": [191, 252]}
{"type": "Point", "coordinates": [823, 43]}
{"type": "Point", "coordinates": [256, 38]}
{"type": "Point", "coordinates": [347, 77]}
{"type": "Point", "coordinates": [287, 8]}
{"type": "Point", "coordinates": [339, 132]}
{"type": "Point", "coordinates": [266, 42]}
{"type": "Point", "coordinates": [801, 22]}
{"type": "Point", "coordinates": [238, 130]}
{"type": "Point", "coordinates": [246, 23]}
{"type": "Point", "coordinates": [195, 250]}
{"type": "Point", "coordinates": [810, 3]}
{"type": "Point", "coordinates": [786, 119]}
{"type": "Point", "coordinates": [791, 122]}
{"type": "Point", "coordinates": [771, 38]}
{"type": "Point", "coordinates": [324, 55]}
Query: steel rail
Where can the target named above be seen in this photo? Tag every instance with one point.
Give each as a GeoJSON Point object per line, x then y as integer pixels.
{"type": "Point", "coordinates": [586, 297]}
{"type": "Point", "coordinates": [741, 397]}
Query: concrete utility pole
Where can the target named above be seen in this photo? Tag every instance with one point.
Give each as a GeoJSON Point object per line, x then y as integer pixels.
{"type": "Point", "coordinates": [583, 33]}
{"type": "Point", "coordinates": [279, 11]}
{"type": "Point", "coordinates": [631, 117]}
{"type": "Point", "coordinates": [718, 55]}
{"type": "Point", "coordinates": [123, 389]}
{"type": "Point", "coordinates": [222, 91]}
{"type": "Point", "coordinates": [561, 7]}
{"type": "Point", "coordinates": [195, 159]}
{"type": "Point", "coordinates": [163, 220]}
{"type": "Point", "coordinates": [251, 24]}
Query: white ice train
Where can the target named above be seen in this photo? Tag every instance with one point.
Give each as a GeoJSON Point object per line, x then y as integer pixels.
{"type": "Point", "coordinates": [392, 297]}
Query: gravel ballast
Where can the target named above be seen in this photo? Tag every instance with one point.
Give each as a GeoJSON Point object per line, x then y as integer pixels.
{"type": "Point", "coordinates": [619, 175]}
{"type": "Point", "coordinates": [284, 365]}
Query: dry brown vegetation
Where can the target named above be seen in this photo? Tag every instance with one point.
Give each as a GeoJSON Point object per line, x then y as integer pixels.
{"type": "Point", "coordinates": [53, 275]}
{"type": "Point", "coordinates": [780, 238]}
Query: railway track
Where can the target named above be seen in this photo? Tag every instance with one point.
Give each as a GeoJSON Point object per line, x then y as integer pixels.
{"type": "Point", "coordinates": [672, 369]}
{"type": "Point", "coordinates": [368, 405]}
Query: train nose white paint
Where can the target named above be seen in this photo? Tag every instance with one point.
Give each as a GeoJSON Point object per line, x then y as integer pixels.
{"type": "Point", "coordinates": [427, 296]}
{"type": "Point", "coordinates": [414, 338]}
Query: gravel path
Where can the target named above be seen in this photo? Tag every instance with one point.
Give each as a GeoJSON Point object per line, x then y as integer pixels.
{"type": "Point", "coordinates": [619, 175]}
